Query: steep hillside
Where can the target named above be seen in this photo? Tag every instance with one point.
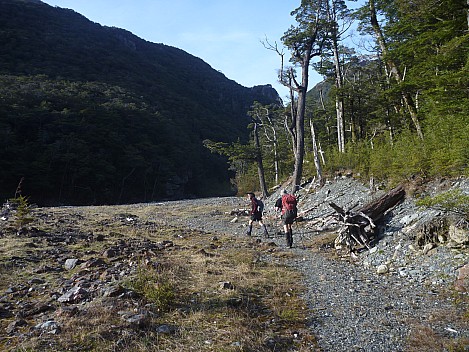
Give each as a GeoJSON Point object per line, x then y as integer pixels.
{"type": "Point", "coordinates": [93, 114]}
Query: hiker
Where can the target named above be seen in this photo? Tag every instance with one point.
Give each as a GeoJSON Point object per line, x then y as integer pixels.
{"type": "Point", "coordinates": [287, 204]}
{"type": "Point", "coordinates": [278, 204]}
{"type": "Point", "coordinates": [256, 214]}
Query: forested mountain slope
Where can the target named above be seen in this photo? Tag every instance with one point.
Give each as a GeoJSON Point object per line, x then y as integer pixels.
{"type": "Point", "coordinates": [93, 114]}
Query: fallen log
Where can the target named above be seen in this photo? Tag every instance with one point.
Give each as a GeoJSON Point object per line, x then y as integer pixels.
{"type": "Point", "coordinates": [377, 208]}
{"type": "Point", "coordinates": [359, 227]}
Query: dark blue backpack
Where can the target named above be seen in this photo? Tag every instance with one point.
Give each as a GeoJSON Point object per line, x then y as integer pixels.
{"type": "Point", "coordinates": [260, 206]}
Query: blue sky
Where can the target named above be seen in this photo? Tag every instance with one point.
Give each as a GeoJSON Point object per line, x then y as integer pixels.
{"type": "Point", "coordinates": [226, 34]}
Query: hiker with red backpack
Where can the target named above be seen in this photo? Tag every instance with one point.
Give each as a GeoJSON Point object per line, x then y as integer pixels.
{"type": "Point", "coordinates": [257, 207]}
{"type": "Point", "coordinates": [288, 204]}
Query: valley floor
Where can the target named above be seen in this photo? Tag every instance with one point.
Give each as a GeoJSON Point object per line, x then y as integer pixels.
{"type": "Point", "coordinates": [348, 306]}
{"type": "Point", "coordinates": [352, 308]}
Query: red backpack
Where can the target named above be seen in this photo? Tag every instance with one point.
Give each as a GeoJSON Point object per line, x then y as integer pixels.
{"type": "Point", "coordinates": [289, 202]}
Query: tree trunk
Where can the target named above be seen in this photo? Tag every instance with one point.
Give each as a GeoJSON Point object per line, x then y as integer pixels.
{"type": "Point", "coordinates": [260, 166]}
{"type": "Point", "coordinates": [300, 121]}
{"type": "Point", "coordinates": [274, 141]}
{"type": "Point", "coordinates": [339, 102]}
{"type": "Point", "coordinates": [321, 100]}
{"type": "Point", "coordinates": [356, 123]}
{"type": "Point", "coordinates": [408, 101]}
{"type": "Point", "coordinates": [310, 34]}
{"type": "Point", "coordinates": [123, 184]}
{"type": "Point", "coordinates": [270, 133]}
{"type": "Point", "coordinates": [354, 126]}
{"type": "Point", "coordinates": [276, 158]}
{"type": "Point", "coordinates": [339, 108]}
{"type": "Point", "coordinates": [317, 163]}
{"type": "Point", "coordinates": [275, 151]}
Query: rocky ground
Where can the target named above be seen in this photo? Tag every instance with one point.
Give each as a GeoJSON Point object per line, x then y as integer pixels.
{"type": "Point", "coordinates": [407, 293]}
{"type": "Point", "coordinates": [392, 292]}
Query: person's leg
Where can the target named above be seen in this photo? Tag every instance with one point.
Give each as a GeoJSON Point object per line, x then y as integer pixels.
{"type": "Point", "coordinates": [266, 233]}
{"type": "Point", "coordinates": [290, 236]}
{"type": "Point", "coordinates": [248, 232]}
{"type": "Point", "coordinates": [287, 233]}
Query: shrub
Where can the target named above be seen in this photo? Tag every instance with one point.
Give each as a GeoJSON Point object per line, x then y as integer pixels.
{"type": "Point", "coordinates": [453, 201]}
{"type": "Point", "coordinates": [23, 211]}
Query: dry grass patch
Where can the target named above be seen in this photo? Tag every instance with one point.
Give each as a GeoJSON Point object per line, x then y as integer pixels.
{"type": "Point", "coordinates": [261, 309]}
{"type": "Point", "coordinates": [425, 339]}
{"type": "Point", "coordinates": [14, 246]}
{"type": "Point", "coordinates": [323, 243]}
{"type": "Point", "coordinates": [200, 293]}
{"type": "Point", "coordinates": [441, 331]}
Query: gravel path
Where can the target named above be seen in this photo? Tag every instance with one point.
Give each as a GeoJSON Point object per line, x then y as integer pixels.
{"type": "Point", "coordinates": [356, 311]}
{"type": "Point", "coordinates": [352, 307]}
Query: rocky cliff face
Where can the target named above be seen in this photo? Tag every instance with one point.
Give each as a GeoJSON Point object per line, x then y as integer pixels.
{"type": "Point", "coordinates": [268, 92]}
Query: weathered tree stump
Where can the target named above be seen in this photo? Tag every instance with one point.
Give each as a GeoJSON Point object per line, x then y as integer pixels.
{"type": "Point", "coordinates": [359, 227]}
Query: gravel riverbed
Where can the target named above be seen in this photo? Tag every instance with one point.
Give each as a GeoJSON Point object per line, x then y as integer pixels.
{"type": "Point", "coordinates": [411, 305]}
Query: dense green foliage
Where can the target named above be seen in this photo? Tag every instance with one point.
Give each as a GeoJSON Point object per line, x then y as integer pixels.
{"type": "Point", "coordinates": [427, 42]}
{"type": "Point", "coordinates": [430, 43]}
{"type": "Point", "coordinates": [92, 114]}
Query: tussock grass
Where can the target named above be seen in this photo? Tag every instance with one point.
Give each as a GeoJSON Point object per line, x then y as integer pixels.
{"type": "Point", "coordinates": [218, 293]}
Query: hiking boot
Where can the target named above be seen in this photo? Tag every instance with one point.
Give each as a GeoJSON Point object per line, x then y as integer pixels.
{"type": "Point", "coordinates": [289, 236]}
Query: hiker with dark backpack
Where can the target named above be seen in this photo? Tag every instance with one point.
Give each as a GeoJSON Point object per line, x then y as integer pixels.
{"type": "Point", "coordinates": [257, 207]}
{"type": "Point", "coordinates": [289, 213]}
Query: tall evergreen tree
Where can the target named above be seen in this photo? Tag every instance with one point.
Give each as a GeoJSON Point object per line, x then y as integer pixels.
{"type": "Point", "coordinates": [305, 41]}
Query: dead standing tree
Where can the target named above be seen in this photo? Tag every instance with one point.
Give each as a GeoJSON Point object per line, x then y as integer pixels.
{"type": "Point", "coordinates": [359, 227]}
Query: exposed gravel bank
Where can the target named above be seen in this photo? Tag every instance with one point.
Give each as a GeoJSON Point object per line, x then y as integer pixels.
{"type": "Point", "coordinates": [353, 308]}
